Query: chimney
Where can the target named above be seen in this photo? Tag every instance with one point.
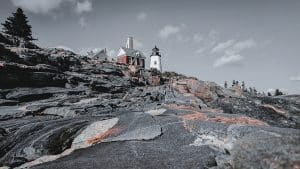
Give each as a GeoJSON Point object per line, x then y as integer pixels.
{"type": "Point", "coordinates": [129, 42]}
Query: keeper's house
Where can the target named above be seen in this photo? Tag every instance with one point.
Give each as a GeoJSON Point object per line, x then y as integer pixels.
{"type": "Point", "coordinates": [129, 55]}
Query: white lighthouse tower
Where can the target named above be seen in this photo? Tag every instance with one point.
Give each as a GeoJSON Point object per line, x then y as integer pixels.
{"type": "Point", "coordinates": [155, 59]}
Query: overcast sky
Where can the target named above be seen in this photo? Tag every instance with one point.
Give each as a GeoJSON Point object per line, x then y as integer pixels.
{"type": "Point", "coordinates": [257, 41]}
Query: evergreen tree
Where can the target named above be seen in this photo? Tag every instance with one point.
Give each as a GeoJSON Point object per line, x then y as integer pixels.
{"type": "Point", "coordinates": [243, 85]}
{"type": "Point", "coordinates": [250, 90]}
{"type": "Point", "coordinates": [254, 91]}
{"type": "Point", "coordinates": [225, 84]}
{"type": "Point", "coordinates": [233, 83]}
{"type": "Point", "coordinates": [278, 92]}
{"type": "Point", "coordinates": [17, 25]}
{"type": "Point", "coordinates": [269, 94]}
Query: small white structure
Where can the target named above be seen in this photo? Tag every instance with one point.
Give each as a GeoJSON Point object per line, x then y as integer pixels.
{"type": "Point", "coordinates": [155, 59]}
{"type": "Point", "coordinates": [129, 43]}
{"type": "Point", "coordinates": [101, 55]}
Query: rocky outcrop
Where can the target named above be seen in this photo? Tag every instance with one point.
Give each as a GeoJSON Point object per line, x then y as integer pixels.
{"type": "Point", "coordinates": [207, 91]}
{"type": "Point", "coordinates": [18, 75]}
{"type": "Point", "coordinates": [269, 109]}
{"type": "Point", "coordinates": [59, 58]}
{"type": "Point", "coordinates": [59, 110]}
{"type": "Point", "coordinates": [9, 56]}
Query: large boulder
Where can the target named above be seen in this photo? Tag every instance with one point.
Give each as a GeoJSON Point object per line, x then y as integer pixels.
{"type": "Point", "coordinates": [267, 148]}
{"type": "Point", "coordinates": [23, 142]}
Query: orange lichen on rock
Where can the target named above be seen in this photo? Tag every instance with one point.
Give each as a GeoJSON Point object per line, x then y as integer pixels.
{"type": "Point", "coordinates": [222, 119]}
{"type": "Point", "coordinates": [211, 110]}
{"type": "Point", "coordinates": [181, 88]}
{"type": "Point", "coordinates": [238, 120]}
{"type": "Point", "coordinates": [201, 89]}
{"type": "Point", "coordinates": [98, 138]}
{"type": "Point", "coordinates": [296, 165]}
{"type": "Point", "coordinates": [281, 112]}
{"type": "Point", "coordinates": [181, 107]}
{"type": "Point", "coordinates": [195, 116]}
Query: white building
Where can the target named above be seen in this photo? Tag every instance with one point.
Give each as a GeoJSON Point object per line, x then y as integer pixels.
{"type": "Point", "coordinates": [155, 59]}
{"type": "Point", "coordinates": [101, 55]}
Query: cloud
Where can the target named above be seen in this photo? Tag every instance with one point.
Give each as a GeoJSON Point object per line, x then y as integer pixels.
{"type": "Point", "coordinates": [213, 37]}
{"type": "Point", "coordinates": [142, 16]}
{"type": "Point", "coordinates": [85, 6]}
{"type": "Point", "coordinates": [242, 45]}
{"type": "Point", "coordinates": [230, 51]}
{"type": "Point", "coordinates": [222, 46]}
{"type": "Point", "coordinates": [39, 6]}
{"type": "Point", "coordinates": [182, 38]}
{"type": "Point", "coordinates": [169, 30]}
{"type": "Point", "coordinates": [226, 59]}
{"type": "Point", "coordinates": [82, 22]}
{"type": "Point", "coordinates": [47, 6]}
{"type": "Point", "coordinates": [295, 78]}
{"type": "Point", "coordinates": [206, 41]}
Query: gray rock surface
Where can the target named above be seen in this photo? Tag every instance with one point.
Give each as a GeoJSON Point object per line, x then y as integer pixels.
{"type": "Point", "coordinates": [268, 148]}
{"type": "Point", "coordinates": [61, 110]}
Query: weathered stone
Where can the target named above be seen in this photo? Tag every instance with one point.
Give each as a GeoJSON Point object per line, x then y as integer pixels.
{"type": "Point", "coordinates": [156, 112]}
{"type": "Point", "coordinates": [266, 149]}
{"type": "Point", "coordinates": [31, 94]}
{"type": "Point", "coordinates": [53, 102]}
{"type": "Point", "coordinates": [4, 102]}
{"type": "Point", "coordinates": [17, 75]}
{"type": "Point", "coordinates": [60, 111]}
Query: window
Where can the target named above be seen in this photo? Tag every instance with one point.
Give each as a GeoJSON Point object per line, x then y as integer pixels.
{"type": "Point", "coordinates": [143, 62]}
{"type": "Point", "coordinates": [129, 60]}
{"type": "Point", "coordinates": [155, 63]}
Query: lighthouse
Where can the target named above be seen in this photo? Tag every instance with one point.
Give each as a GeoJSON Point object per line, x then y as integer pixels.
{"type": "Point", "coordinates": [155, 59]}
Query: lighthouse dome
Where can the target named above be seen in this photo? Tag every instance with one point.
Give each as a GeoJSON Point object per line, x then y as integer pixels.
{"type": "Point", "coordinates": [155, 51]}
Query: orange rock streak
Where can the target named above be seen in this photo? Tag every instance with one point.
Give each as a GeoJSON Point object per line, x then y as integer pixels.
{"type": "Point", "coordinates": [222, 119]}
{"type": "Point", "coordinates": [98, 138]}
